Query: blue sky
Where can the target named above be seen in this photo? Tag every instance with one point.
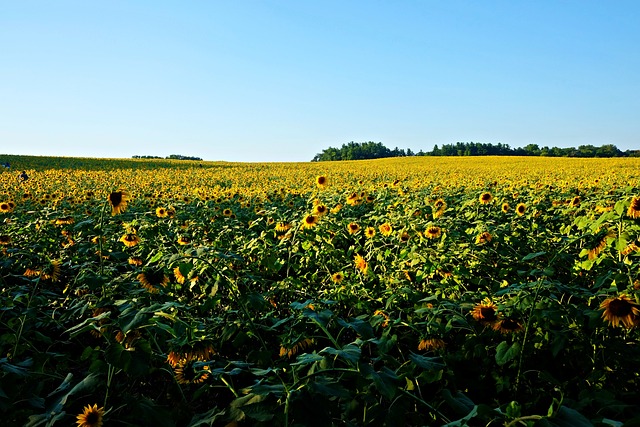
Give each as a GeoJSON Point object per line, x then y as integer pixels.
{"type": "Point", "coordinates": [283, 80]}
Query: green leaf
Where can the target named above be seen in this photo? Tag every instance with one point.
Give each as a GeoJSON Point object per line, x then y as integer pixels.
{"type": "Point", "coordinates": [567, 417]}
{"type": "Point", "coordinates": [532, 256]}
{"type": "Point", "coordinates": [506, 352]}
{"type": "Point", "coordinates": [428, 363]}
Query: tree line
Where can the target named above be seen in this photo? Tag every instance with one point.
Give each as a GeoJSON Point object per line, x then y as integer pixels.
{"type": "Point", "coordinates": [172, 157]}
{"type": "Point", "coordinates": [376, 150]}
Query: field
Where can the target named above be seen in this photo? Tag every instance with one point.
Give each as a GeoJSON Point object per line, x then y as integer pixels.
{"type": "Point", "coordinates": [480, 291]}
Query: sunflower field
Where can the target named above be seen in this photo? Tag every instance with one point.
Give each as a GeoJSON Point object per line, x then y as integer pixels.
{"type": "Point", "coordinates": [480, 291]}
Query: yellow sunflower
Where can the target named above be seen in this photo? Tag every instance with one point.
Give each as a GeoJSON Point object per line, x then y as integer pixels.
{"type": "Point", "coordinates": [620, 310]}
{"type": "Point", "coordinates": [130, 239]}
{"type": "Point", "coordinates": [183, 240]}
{"type": "Point", "coordinates": [337, 277]}
{"type": "Point", "coordinates": [521, 209]}
{"type": "Point", "coordinates": [634, 208]}
{"type": "Point", "coordinates": [5, 207]}
{"type": "Point", "coordinates": [361, 264]}
{"type": "Point", "coordinates": [91, 416]}
{"type": "Point", "coordinates": [309, 221]}
{"type": "Point", "coordinates": [322, 181]}
{"type": "Point", "coordinates": [385, 229]}
{"type": "Point", "coordinates": [369, 232]}
{"type": "Point", "coordinates": [118, 201]}
{"type": "Point", "coordinates": [485, 198]}
{"type": "Point", "coordinates": [187, 373]}
{"type": "Point", "coordinates": [353, 228]}
{"type": "Point", "coordinates": [505, 207]}
{"type": "Point", "coordinates": [320, 210]}
{"type": "Point", "coordinates": [135, 261]}
{"type": "Point", "coordinates": [161, 212]}
{"type": "Point", "coordinates": [433, 232]}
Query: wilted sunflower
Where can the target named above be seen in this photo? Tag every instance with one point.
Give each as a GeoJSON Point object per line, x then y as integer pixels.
{"type": "Point", "coordinates": [630, 248]}
{"type": "Point", "coordinates": [634, 208]}
{"type": "Point", "coordinates": [309, 221]}
{"type": "Point", "coordinates": [337, 277]}
{"type": "Point", "coordinates": [404, 237]}
{"type": "Point", "coordinates": [186, 373]}
{"type": "Point", "coordinates": [433, 232]}
{"type": "Point", "coordinates": [521, 209]}
{"type": "Point", "coordinates": [361, 263]}
{"type": "Point", "coordinates": [385, 229]}
{"type": "Point", "coordinates": [620, 310]}
{"type": "Point", "coordinates": [130, 239]}
{"type": "Point", "coordinates": [91, 416]}
{"type": "Point", "coordinates": [485, 198]}
{"type": "Point", "coordinates": [384, 315]}
{"type": "Point", "coordinates": [135, 260]}
{"type": "Point", "coordinates": [118, 201]}
{"type": "Point", "coordinates": [151, 279]}
{"type": "Point", "coordinates": [64, 220]}
{"type": "Point", "coordinates": [322, 181]}
{"type": "Point", "coordinates": [507, 325]}
{"type": "Point", "coordinates": [431, 344]}
{"type": "Point", "coordinates": [5, 240]}
{"type": "Point", "coordinates": [483, 237]}
{"type": "Point", "coordinates": [369, 232]}
{"type": "Point", "coordinates": [353, 228]}
{"type": "Point", "coordinates": [485, 312]}
{"type": "Point", "coordinates": [52, 271]}
{"type": "Point", "coordinates": [297, 347]}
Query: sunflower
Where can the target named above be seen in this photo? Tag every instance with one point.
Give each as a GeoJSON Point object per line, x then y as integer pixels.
{"type": "Point", "coordinates": [296, 348]}
{"type": "Point", "coordinates": [183, 240]}
{"type": "Point", "coordinates": [161, 212]}
{"type": "Point", "coordinates": [227, 212]}
{"type": "Point", "coordinates": [521, 209]}
{"type": "Point", "coordinates": [433, 232]}
{"type": "Point", "coordinates": [130, 239]}
{"type": "Point", "coordinates": [322, 181]}
{"type": "Point", "coordinates": [5, 207]}
{"type": "Point", "coordinates": [483, 237]}
{"type": "Point", "coordinates": [151, 279]}
{"type": "Point", "coordinates": [336, 208]}
{"type": "Point", "coordinates": [485, 198]}
{"type": "Point", "coordinates": [171, 212]}
{"type": "Point", "coordinates": [369, 232]}
{"type": "Point", "coordinates": [404, 237]}
{"type": "Point", "coordinates": [91, 416]}
{"type": "Point", "coordinates": [505, 207]}
{"type": "Point", "coordinates": [337, 277]}
{"type": "Point", "coordinates": [384, 315]}
{"type": "Point", "coordinates": [361, 264]}
{"type": "Point", "coordinates": [64, 220]}
{"type": "Point", "coordinates": [485, 312]}
{"type": "Point", "coordinates": [309, 221]}
{"type": "Point", "coordinates": [53, 271]}
{"type": "Point", "coordinates": [353, 228]}
{"type": "Point", "coordinates": [187, 373]}
{"type": "Point", "coordinates": [431, 344]}
{"type": "Point", "coordinates": [353, 199]}
{"type": "Point", "coordinates": [507, 325]}
{"type": "Point", "coordinates": [385, 229]}
{"type": "Point", "coordinates": [634, 208]}
{"type": "Point", "coordinates": [620, 310]}
{"type": "Point", "coordinates": [118, 201]}
{"type": "Point", "coordinates": [320, 210]}
{"type": "Point", "coordinates": [630, 248]}
{"type": "Point", "coordinates": [575, 202]}
{"type": "Point", "coordinates": [281, 227]}
{"type": "Point", "coordinates": [5, 240]}
{"type": "Point", "coordinates": [135, 260]}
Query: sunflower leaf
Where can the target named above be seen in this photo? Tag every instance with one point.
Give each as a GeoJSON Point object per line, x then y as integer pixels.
{"type": "Point", "coordinates": [505, 352]}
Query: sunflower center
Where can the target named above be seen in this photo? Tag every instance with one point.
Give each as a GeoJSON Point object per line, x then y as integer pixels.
{"type": "Point", "coordinates": [115, 198]}
{"type": "Point", "coordinates": [488, 313]}
{"type": "Point", "coordinates": [92, 418]}
{"type": "Point", "coordinates": [620, 308]}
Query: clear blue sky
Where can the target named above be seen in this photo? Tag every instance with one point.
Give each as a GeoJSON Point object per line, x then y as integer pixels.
{"type": "Point", "coordinates": [283, 80]}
